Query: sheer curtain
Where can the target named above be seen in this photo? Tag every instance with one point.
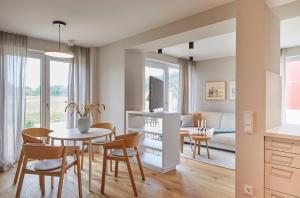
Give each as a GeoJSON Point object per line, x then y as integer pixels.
{"type": "Point", "coordinates": [79, 81]}
{"type": "Point", "coordinates": [187, 85]}
{"type": "Point", "coordinates": [184, 86]}
{"type": "Point", "coordinates": [192, 86]}
{"type": "Point", "coordinates": [13, 52]}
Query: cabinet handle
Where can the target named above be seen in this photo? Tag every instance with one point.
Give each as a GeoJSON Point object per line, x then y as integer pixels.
{"type": "Point", "coordinates": [281, 172]}
{"type": "Point", "coordinates": [290, 159]}
{"type": "Point", "coordinates": [283, 145]}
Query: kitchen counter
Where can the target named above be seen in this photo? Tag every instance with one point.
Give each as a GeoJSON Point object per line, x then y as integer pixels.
{"type": "Point", "coordinates": [288, 131]}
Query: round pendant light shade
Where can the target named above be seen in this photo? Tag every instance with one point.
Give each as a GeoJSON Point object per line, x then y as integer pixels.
{"type": "Point", "coordinates": [59, 53]}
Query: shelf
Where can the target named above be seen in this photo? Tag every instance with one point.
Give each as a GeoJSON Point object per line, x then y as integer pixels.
{"type": "Point", "coordinates": [151, 130]}
{"type": "Point", "coordinates": [151, 161]}
{"type": "Point", "coordinates": [152, 144]}
{"type": "Point", "coordinates": [158, 114]}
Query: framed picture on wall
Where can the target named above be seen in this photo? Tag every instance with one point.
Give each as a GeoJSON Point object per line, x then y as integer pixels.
{"type": "Point", "coordinates": [232, 90]}
{"type": "Point", "coordinates": [215, 90]}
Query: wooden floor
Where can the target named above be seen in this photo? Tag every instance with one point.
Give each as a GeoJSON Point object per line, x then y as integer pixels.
{"type": "Point", "coordinates": [191, 179]}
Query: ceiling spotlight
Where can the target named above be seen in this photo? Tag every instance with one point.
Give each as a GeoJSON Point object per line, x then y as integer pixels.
{"type": "Point", "coordinates": [191, 45]}
{"type": "Point", "coordinates": [191, 58]}
{"type": "Point", "coordinates": [159, 51]}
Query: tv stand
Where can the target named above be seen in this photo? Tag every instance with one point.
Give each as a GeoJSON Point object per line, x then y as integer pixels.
{"type": "Point", "coordinates": [161, 153]}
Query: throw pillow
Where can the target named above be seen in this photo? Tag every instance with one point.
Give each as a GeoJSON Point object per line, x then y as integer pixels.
{"type": "Point", "coordinates": [187, 121]}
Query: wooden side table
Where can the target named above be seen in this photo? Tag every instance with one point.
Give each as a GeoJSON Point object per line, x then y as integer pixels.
{"type": "Point", "coordinates": [184, 133]}
{"type": "Point", "coordinates": [198, 139]}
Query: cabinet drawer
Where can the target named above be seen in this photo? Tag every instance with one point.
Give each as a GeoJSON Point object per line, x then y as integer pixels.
{"type": "Point", "coordinates": [282, 158]}
{"type": "Point", "coordinates": [274, 194]}
{"type": "Point", "coordinates": [284, 145]}
{"type": "Point", "coordinates": [282, 178]}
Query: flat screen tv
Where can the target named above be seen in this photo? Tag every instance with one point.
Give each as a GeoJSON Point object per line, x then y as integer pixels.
{"type": "Point", "coordinates": [156, 93]}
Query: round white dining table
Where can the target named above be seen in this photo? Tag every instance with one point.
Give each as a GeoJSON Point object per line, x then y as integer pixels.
{"type": "Point", "coordinates": [76, 135]}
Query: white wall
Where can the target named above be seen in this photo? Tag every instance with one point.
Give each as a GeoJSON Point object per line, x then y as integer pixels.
{"type": "Point", "coordinates": [222, 69]}
{"type": "Point", "coordinates": [112, 60]}
{"type": "Point", "coordinates": [254, 57]}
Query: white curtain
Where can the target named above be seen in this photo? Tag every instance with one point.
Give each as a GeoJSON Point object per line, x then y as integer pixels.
{"type": "Point", "coordinates": [13, 52]}
{"type": "Point", "coordinates": [187, 85]}
{"type": "Point", "coordinates": [184, 86]}
{"type": "Point", "coordinates": [192, 86]}
{"type": "Point", "coordinates": [79, 81]}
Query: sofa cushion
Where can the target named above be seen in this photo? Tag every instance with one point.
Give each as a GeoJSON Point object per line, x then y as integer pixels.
{"type": "Point", "coordinates": [228, 121]}
{"type": "Point", "coordinates": [187, 121]}
{"type": "Point", "coordinates": [213, 119]}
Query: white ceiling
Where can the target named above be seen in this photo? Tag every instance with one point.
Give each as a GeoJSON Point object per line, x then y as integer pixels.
{"type": "Point", "coordinates": [95, 22]}
{"type": "Point", "coordinates": [225, 45]}
{"type": "Point", "coordinates": [209, 48]}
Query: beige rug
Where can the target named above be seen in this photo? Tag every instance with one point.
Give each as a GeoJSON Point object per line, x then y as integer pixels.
{"type": "Point", "coordinates": [219, 158]}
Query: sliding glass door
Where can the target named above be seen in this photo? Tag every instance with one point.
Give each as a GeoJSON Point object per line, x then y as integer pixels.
{"type": "Point", "coordinates": [46, 91]}
{"type": "Point", "coordinates": [169, 73]}
{"type": "Point", "coordinates": [58, 92]}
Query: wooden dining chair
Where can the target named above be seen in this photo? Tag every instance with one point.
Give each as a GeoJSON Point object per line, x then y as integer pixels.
{"type": "Point", "coordinates": [99, 141]}
{"type": "Point", "coordinates": [31, 135]}
{"type": "Point", "coordinates": [49, 161]}
{"type": "Point", "coordinates": [121, 149]}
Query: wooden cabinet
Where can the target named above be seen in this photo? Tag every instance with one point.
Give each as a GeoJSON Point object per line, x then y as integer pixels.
{"type": "Point", "coordinates": [282, 168]}
{"type": "Point", "coordinates": [274, 194]}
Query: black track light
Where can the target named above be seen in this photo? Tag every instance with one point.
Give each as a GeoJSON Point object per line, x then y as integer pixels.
{"type": "Point", "coordinates": [191, 58]}
{"type": "Point", "coordinates": [159, 51]}
{"type": "Point", "coordinates": [191, 45]}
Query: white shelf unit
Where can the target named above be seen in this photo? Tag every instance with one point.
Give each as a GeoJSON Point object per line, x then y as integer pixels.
{"type": "Point", "coordinates": [162, 154]}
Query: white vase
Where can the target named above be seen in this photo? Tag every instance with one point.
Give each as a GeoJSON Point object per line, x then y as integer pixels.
{"type": "Point", "coordinates": [83, 124]}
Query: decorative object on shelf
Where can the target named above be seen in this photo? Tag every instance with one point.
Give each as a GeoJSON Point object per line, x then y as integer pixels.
{"type": "Point", "coordinates": [84, 111]}
{"type": "Point", "coordinates": [232, 90]}
{"type": "Point", "coordinates": [215, 90]}
{"type": "Point", "coordinates": [59, 53]}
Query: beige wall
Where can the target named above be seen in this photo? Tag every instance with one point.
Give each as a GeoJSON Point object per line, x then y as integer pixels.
{"type": "Point", "coordinates": [222, 69]}
{"type": "Point", "coordinates": [253, 60]}
{"type": "Point", "coordinates": [112, 79]}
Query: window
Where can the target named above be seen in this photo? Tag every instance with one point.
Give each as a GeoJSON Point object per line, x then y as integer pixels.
{"type": "Point", "coordinates": [33, 92]}
{"type": "Point", "coordinates": [292, 90]}
{"type": "Point", "coordinates": [59, 74]}
{"type": "Point", "coordinates": [46, 91]}
{"type": "Point", "coordinates": [169, 73]}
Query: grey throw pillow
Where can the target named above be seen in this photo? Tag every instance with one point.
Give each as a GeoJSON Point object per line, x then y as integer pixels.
{"type": "Point", "coordinates": [187, 121]}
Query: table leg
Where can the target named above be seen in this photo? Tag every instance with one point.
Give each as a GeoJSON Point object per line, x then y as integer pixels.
{"type": "Point", "coordinates": [195, 147]}
{"type": "Point", "coordinates": [74, 156]}
{"type": "Point", "coordinates": [199, 142]}
{"type": "Point", "coordinates": [181, 143]}
{"type": "Point", "coordinates": [90, 165]}
{"type": "Point", "coordinates": [191, 144]}
{"type": "Point", "coordinates": [207, 150]}
{"type": "Point", "coordinates": [52, 179]}
{"type": "Point", "coordinates": [62, 143]}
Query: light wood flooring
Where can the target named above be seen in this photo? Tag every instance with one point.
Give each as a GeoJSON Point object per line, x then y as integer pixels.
{"type": "Point", "coordinates": [191, 179]}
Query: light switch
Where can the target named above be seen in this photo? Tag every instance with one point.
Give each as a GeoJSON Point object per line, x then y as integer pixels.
{"type": "Point", "coordinates": [248, 121]}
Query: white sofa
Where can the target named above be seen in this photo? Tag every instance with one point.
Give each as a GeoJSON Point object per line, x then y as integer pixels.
{"type": "Point", "coordinates": [224, 124]}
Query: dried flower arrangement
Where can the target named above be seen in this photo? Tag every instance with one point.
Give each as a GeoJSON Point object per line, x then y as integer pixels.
{"type": "Point", "coordinates": [83, 110]}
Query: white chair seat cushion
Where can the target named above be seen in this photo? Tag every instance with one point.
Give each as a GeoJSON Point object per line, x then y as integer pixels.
{"type": "Point", "coordinates": [119, 152]}
{"type": "Point", "coordinates": [100, 140]}
{"type": "Point", "coordinates": [47, 165]}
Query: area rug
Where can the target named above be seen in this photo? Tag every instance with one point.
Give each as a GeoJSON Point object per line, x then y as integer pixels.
{"type": "Point", "coordinates": [219, 158]}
